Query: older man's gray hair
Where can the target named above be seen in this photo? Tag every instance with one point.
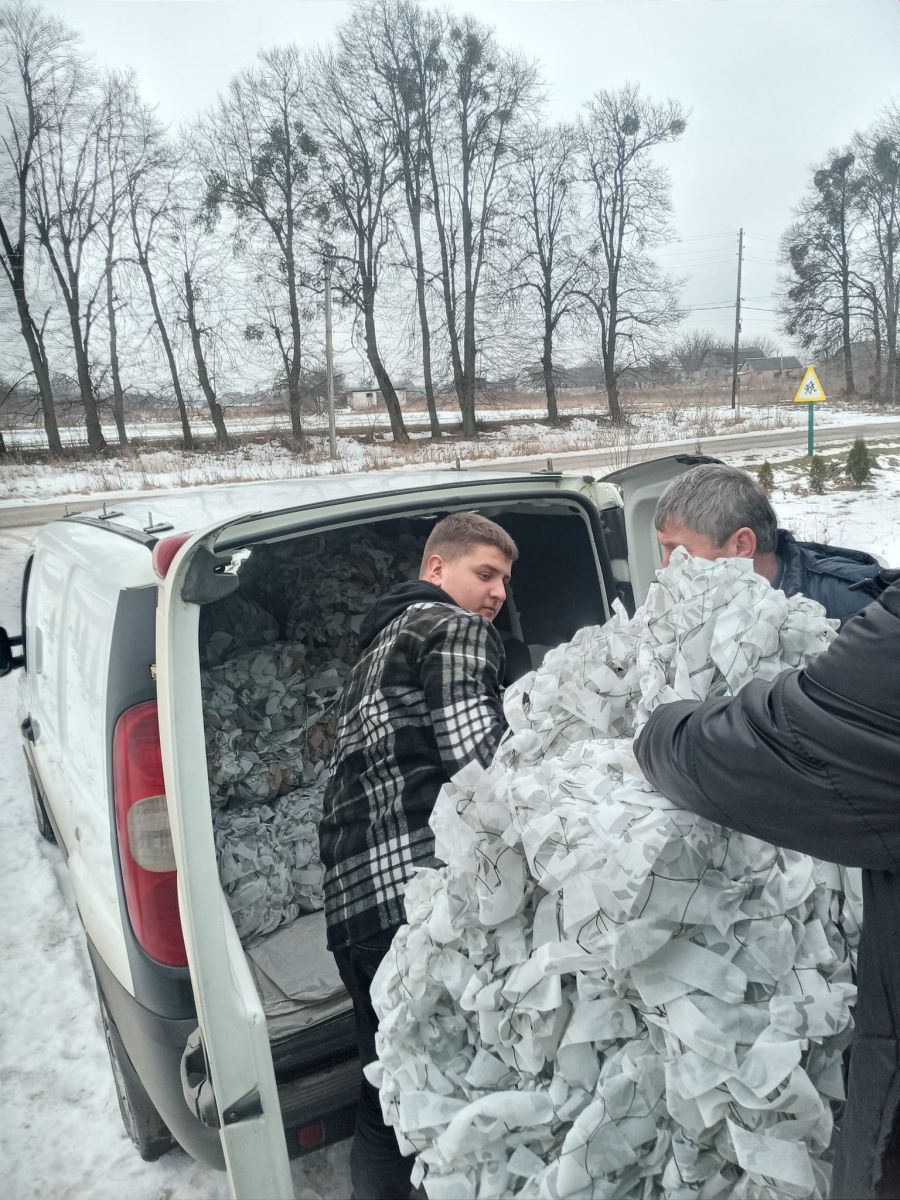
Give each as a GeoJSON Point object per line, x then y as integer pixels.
{"type": "Point", "coordinates": [715, 500]}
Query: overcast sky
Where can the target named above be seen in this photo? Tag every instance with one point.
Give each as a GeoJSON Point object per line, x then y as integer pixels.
{"type": "Point", "coordinates": [772, 85]}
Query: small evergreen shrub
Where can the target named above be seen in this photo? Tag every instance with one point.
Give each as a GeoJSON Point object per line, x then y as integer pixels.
{"type": "Point", "coordinates": [766, 478]}
{"type": "Point", "coordinates": [859, 463]}
{"type": "Point", "coordinates": [818, 474]}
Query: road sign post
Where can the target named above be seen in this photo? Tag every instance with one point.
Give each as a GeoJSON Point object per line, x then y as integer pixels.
{"type": "Point", "coordinates": [810, 392]}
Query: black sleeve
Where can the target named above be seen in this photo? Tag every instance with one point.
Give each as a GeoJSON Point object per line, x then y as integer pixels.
{"type": "Point", "coordinates": [810, 761]}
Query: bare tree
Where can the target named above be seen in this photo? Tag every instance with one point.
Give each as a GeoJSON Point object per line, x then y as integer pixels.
{"type": "Point", "coordinates": [259, 162]}
{"type": "Point", "coordinates": [817, 298]}
{"type": "Point", "coordinates": [872, 315]}
{"type": "Point", "coordinates": [484, 92]}
{"type": "Point", "coordinates": [360, 154]}
{"type": "Point", "coordinates": [66, 206]}
{"type": "Point", "coordinates": [151, 188]}
{"type": "Point", "coordinates": [215, 409]}
{"type": "Point", "coordinates": [403, 53]}
{"type": "Point", "coordinates": [120, 103]}
{"type": "Point", "coordinates": [692, 347]}
{"type": "Point", "coordinates": [199, 272]}
{"type": "Point", "coordinates": [33, 48]}
{"type": "Point", "coordinates": [632, 301]}
{"type": "Point", "coordinates": [878, 200]}
{"type": "Point", "coordinates": [547, 259]}
{"type": "Point", "coordinates": [8, 388]}
{"type": "Point", "coordinates": [767, 346]}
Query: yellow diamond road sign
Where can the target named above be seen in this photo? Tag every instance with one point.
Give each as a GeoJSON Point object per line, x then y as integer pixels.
{"type": "Point", "coordinates": [810, 389]}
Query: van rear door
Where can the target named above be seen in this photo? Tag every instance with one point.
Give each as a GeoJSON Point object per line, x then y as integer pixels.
{"type": "Point", "coordinates": [230, 1014]}
{"type": "Point", "coordinates": [640, 487]}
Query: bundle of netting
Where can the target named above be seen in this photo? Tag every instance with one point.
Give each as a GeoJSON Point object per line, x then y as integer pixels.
{"type": "Point", "coordinates": [600, 995]}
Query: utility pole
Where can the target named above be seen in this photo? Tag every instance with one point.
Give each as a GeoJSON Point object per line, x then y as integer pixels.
{"type": "Point", "coordinates": [329, 361]}
{"type": "Point", "coordinates": [737, 331]}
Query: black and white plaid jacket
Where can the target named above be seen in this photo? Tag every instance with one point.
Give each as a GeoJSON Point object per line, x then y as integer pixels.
{"type": "Point", "coordinates": [423, 700]}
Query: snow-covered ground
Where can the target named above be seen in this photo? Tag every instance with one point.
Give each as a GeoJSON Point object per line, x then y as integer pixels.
{"type": "Point", "coordinates": [648, 429]}
{"type": "Point", "coordinates": [61, 1135]}
{"type": "Point", "coordinates": [242, 420]}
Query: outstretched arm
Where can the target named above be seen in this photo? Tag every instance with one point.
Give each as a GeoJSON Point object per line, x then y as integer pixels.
{"type": "Point", "coordinates": [810, 761]}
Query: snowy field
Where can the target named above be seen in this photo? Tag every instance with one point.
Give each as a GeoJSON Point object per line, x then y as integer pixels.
{"type": "Point", "coordinates": [61, 1136]}
{"type": "Point", "coordinates": [242, 421]}
{"type": "Point", "coordinates": [648, 431]}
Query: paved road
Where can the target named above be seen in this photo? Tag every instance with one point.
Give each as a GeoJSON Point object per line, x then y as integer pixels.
{"type": "Point", "coordinates": [594, 462]}
{"type": "Point", "coordinates": [17, 516]}
{"type": "Point", "coordinates": [599, 462]}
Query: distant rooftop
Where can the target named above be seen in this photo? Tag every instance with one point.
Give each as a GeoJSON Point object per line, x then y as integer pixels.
{"type": "Point", "coordinates": [779, 362]}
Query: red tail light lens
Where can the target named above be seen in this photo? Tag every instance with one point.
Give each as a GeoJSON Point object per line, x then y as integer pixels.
{"type": "Point", "coordinates": [145, 840]}
{"type": "Point", "coordinates": [165, 550]}
{"type": "Point", "coordinates": [310, 1135]}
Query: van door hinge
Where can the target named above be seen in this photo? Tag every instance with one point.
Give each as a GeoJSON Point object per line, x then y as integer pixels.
{"type": "Point", "coordinates": [153, 670]}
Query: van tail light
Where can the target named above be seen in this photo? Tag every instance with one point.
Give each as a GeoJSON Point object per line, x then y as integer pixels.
{"type": "Point", "coordinates": [165, 550]}
{"type": "Point", "coordinates": [145, 839]}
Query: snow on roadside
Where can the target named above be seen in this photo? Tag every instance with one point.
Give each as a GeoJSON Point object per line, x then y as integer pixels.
{"type": "Point", "coordinates": [864, 519]}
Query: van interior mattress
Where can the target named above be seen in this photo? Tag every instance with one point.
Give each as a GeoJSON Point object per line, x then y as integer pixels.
{"type": "Point", "coordinates": [296, 976]}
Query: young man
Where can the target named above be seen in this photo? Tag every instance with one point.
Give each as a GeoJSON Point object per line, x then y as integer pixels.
{"type": "Point", "coordinates": [717, 511]}
{"type": "Point", "coordinates": [811, 761]}
{"type": "Point", "coordinates": [423, 700]}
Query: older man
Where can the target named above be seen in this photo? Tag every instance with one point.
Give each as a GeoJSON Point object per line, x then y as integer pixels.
{"type": "Point", "coordinates": [717, 511]}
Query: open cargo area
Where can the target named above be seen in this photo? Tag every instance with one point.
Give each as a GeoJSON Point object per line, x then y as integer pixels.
{"type": "Point", "coordinates": [274, 657]}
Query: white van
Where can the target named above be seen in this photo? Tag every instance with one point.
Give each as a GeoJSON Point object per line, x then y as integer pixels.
{"type": "Point", "coordinates": [179, 675]}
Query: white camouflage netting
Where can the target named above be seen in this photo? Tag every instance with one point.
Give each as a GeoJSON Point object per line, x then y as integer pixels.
{"type": "Point", "coordinates": [602, 996]}
{"type": "Point", "coordinates": [268, 707]}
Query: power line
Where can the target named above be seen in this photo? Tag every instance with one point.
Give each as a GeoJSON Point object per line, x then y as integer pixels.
{"type": "Point", "coordinates": [704, 252]}
{"type": "Point", "coordinates": [697, 237]}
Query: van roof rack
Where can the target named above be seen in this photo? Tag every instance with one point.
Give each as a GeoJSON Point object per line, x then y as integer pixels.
{"type": "Point", "coordinates": [144, 536]}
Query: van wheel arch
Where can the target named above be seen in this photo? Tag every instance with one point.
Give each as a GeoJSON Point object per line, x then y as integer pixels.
{"type": "Point", "coordinates": [145, 1127]}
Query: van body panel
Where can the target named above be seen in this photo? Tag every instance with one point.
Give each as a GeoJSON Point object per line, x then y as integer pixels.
{"type": "Point", "coordinates": [74, 590]}
{"type": "Point", "coordinates": [229, 1011]}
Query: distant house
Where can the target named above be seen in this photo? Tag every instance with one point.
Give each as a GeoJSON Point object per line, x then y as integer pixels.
{"type": "Point", "coordinates": [717, 365]}
{"type": "Point", "coordinates": [586, 377]}
{"type": "Point", "coordinates": [780, 368]}
{"type": "Point", "coordinates": [365, 399]}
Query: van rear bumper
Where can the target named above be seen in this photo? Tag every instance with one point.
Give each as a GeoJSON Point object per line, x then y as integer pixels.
{"type": "Point", "coordinates": [155, 1046]}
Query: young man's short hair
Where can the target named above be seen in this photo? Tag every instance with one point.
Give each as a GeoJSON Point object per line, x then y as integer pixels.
{"type": "Point", "coordinates": [714, 499]}
{"type": "Point", "coordinates": [457, 534]}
